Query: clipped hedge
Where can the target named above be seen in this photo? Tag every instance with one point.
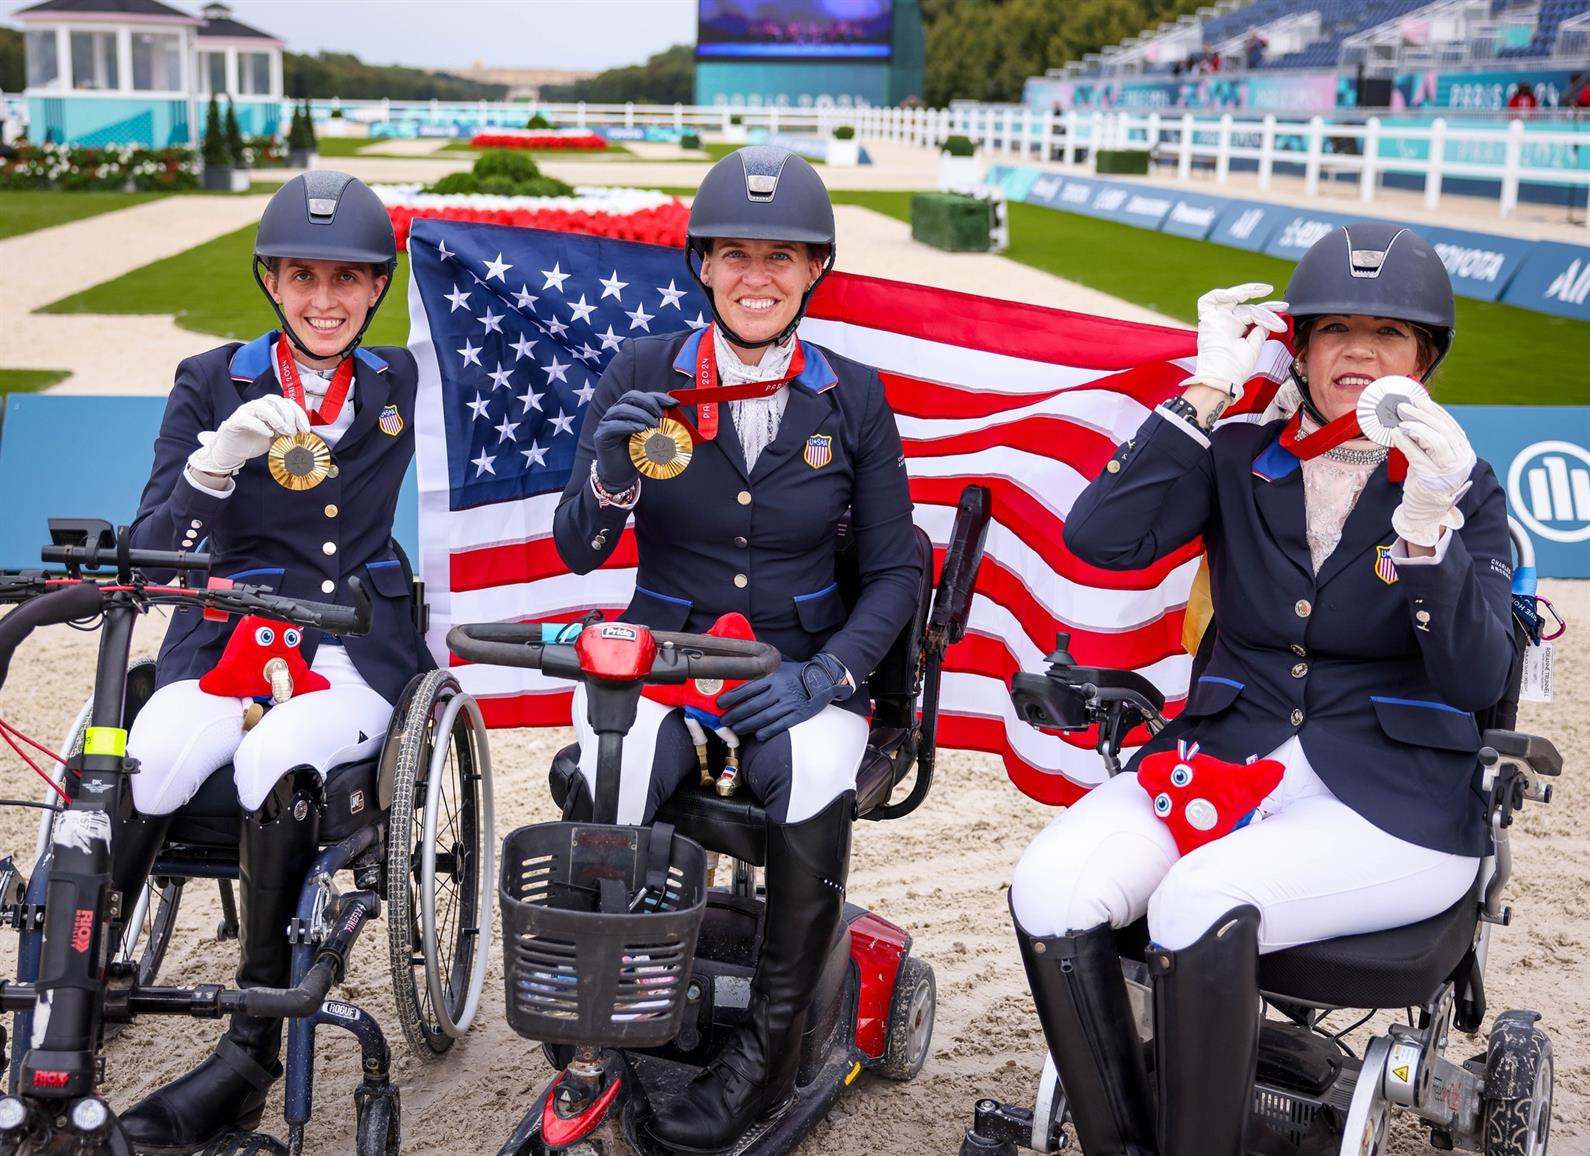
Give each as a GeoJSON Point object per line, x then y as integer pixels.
{"type": "Point", "coordinates": [949, 221]}
{"type": "Point", "coordinates": [1123, 162]}
{"type": "Point", "coordinates": [503, 173]}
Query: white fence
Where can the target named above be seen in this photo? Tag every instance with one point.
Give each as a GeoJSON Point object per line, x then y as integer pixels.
{"type": "Point", "coordinates": [1555, 152]}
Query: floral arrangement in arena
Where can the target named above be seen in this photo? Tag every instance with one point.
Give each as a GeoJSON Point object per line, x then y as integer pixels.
{"type": "Point", "coordinates": [112, 169]}
{"type": "Point", "coordinates": [625, 214]}
{"type": "Point", "coordinates": [520, 138]}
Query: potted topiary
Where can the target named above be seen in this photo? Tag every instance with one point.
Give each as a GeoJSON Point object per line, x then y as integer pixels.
{"type": "Point", "coordinates": [302, 148]}
{"type": "Point", "coordinates": [538, 121]}
{"type": "Point", "coordinates": [735, 131]}
{"type": "Point", "coordinates": [336, 124]}
{"type": "Point", "coordinates": [217, 154]}
{"type": "Point", "coordinates": [844, 150]}
{"type": "Point", "coordinates": [234, 145]}
{"type": "Point", "coordinates": [690, 139]}
{"type": "Point", "coordinates": [960, 170]}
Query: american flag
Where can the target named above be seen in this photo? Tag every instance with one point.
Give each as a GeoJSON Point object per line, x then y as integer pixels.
{"type": "Point", "coordinates": [513, 327]}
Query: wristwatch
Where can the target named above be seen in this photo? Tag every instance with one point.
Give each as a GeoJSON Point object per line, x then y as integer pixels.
{"type": "Point", "coordinates": [1187, 411]}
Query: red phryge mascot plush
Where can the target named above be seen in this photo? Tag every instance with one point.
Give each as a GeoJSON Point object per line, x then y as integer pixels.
{"type": "Point", "coordinates": [1200, 797]}
{"type": "Point", "coordinates": [699, 698]}
{"type": "Point", "coordinates": [262, 658]}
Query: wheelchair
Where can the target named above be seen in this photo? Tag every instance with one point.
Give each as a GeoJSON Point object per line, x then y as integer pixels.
{"type": "Point", "coordinates": [873, 1008]}
{"type": "Point", "coordinates": [1311, 1091]}
{"type": "Point", "coordinates": [415, 825]}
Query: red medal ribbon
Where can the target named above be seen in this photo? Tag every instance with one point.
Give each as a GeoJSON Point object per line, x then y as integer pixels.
{"type": "Point", "coordinates": [1331, 435]}
{"type": "Point", "coordinates": [293, 387]}
{"type": "Point", "coordinates": [707, 387]}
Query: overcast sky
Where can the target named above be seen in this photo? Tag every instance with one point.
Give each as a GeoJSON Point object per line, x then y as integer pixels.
{"type": "Point", "coordinates": [586, 34]}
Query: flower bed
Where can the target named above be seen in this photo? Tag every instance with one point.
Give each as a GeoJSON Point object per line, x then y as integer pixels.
{"type": "Point", "coordinates": [110, 169]}
{"type": "Point", "coordinates": [525, 139]}
{"type": "Point", "coordinates": [624, 214]}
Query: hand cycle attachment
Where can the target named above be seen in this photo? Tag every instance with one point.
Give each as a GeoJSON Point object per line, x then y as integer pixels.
{"type": "Point", "coordinates": [57, 1107]}
{"type": "Point", "coordinates": [600, 920]}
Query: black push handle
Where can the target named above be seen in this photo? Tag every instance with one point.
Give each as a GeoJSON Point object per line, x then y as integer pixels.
{"type": "Point", "coordinates": [67, 604]}
{"type": "Point", "coordinates": [96, 557]}
{"type": "Point", "coordinates": [327, 616]}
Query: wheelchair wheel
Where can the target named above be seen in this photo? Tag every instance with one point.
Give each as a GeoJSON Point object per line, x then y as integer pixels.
{"type": "Point", "coordinates": [149, 928]}
{"type": "Point", "coordinates": [441, 843]}
{"type": "Point", "coordinates": [910, 1021]}
{"type": "Point", "coordinates": [1519, 1072]}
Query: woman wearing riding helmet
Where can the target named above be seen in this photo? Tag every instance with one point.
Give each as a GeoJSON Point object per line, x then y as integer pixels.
{"type": "Point", "coordinates": [324, 256]}
{"type": "Point", "coordinates": [1362, 615]}
{"type": "Point", "coordinates": [750, 526]}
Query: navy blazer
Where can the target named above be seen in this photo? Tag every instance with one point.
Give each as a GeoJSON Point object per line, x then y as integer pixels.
{"type": "Point", "coordinates": [1380, 679]}
{"type": "Point", "coordinates": [720, 538]}
{"type": "Point", "coordinates": [301, 543]}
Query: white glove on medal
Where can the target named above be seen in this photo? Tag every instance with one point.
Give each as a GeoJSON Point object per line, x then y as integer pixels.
{"type": "Point", "coordinates": [1231, 333]}
{"type": "Point", "coordinates": [247, 434]}
{"type": "Point", "coordinates": [1440, 460]}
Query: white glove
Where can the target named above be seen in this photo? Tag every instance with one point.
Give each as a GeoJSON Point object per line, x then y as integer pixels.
{"type": "Point", "coordinates": [247, 434]}
{"type": "Point", "coordinates": [1231, 334]}
{"type": "Point", "coordinates": [1440, 460]}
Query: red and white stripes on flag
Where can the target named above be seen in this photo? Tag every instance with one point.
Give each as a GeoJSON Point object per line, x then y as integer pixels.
{"type": "Point", "coordinates": [1026, 400]}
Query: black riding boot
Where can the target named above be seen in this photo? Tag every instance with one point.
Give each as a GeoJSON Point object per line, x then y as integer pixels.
{"type": "Point", "coordinates": [753, 1075]}
{"type": "Point", "coordinates": [1080, 992]}
{"type": "Point", "coordinates": [132, 857]}
{"type": "Point", "coordinates": [227, 1091]}
{"type": "Point", "coordinates": [1206, 1037]}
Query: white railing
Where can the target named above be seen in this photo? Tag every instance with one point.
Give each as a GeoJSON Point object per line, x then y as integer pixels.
{"type": "Point", "coordinates": [1437, 151]}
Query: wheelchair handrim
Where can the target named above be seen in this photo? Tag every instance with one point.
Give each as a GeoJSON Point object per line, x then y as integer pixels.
{"type": "Point", "coordinates": [428, 941]}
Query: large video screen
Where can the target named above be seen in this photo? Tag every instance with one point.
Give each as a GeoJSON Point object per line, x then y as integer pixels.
{"type": "Point", "coordinates": [794, 29]}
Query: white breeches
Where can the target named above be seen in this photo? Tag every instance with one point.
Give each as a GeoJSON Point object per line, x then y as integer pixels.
{"type": "Point", "coordinates": [795, 774]}
{"type": "Point", "coordinates": [182, 736]}
{"type": "Point", "coordinates": [1313, 867]}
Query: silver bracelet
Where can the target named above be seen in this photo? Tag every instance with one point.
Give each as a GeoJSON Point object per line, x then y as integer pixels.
{"type": "Point", "coordinates": [623, 500]}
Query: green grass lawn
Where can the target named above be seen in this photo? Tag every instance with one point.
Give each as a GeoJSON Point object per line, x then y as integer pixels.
{"type": "Point", "coordinates": [24, 210]}
{"type": "Point", "coordinates": [1503, 355]}
{"type": "Point", "coordinates": [30, 380]}
{"type": "Point", "coordinates": [208, 289]}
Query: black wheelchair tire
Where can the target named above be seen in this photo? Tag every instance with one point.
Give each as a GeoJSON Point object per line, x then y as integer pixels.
{"type": "Point", "coordinates": [167, 898]}
{"type": "Point", "coordinates": [1520, 1071]}
{"type": "Point", "coordinates": [421, 1021]}
{"type": "Point", "coordinates": [911, 1015]}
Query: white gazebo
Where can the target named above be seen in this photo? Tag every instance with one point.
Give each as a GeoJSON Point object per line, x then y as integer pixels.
{"type": "Point", "coordinates": [106, 72]}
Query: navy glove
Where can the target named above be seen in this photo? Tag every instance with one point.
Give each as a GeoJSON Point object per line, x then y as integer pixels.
{"type": "Point", "coordinates": [791, 694]}
{"type": "Point", "coordinates": [635, 411]}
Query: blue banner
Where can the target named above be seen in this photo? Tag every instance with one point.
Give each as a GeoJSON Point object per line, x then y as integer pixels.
{"type": "Point", "coordinates": [1541, 455]}
{"type": "Point", "coordinates": [1555, 278]}
{"type": "Point", "coordinates": [1143, 206]}
{"type": "Point", "coordinates": [1245, 225]}
{"type": "Point", "coordinates": [1193, 215]}
{"type": "Point", "coordinates": [1013, 181]}
{"type": "Point", "coordinates": [1481, 265]}
{"type": "Point", "coordinates": [1295, 233]}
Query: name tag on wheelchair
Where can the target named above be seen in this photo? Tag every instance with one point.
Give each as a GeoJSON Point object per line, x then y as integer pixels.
{"type": "Point", "coordinates": [1535, 685]}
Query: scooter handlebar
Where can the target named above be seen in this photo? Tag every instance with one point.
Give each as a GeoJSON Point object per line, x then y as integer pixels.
{"type": "Point", "coordinates": [680, 657]}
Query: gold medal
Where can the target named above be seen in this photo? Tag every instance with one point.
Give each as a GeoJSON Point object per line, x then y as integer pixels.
{"type": "Point", "coordinates": [300, 461]}
{"type": "Point", "coordinates": [662, 452]}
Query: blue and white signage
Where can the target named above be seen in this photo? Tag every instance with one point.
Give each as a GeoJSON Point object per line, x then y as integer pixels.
{"type": "Point", "coordinates": [1245, 225]}
{"type": "Point", "coordinates": [1141, 205]}
{"type": "Point", "coordinates": [1541, 455]}
{"type": "Point", "coordinates": [1296, 233]}
{"type": "Point", "coordinates": [1481, 266]}
{"type": "Point", "coordinates": [1193, 215]}
{"type": "Point", "coordinates": [1555, 279]}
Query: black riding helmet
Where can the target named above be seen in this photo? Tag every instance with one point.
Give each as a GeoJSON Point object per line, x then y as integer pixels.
{"type": "Point", "coordinates": [760, 193]}
{"type": "Point", "coordinates": [1377, 269]}
{"type": "Point", "coordinates": [326, 216]}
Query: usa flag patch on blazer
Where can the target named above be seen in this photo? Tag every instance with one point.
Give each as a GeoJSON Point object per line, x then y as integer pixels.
{"type": "Point", "coordinates": [819, 450]}
{"type": "Point", "coordinates": [1384, 569]}
{"type": "Point", "coordinates": [391, 422]}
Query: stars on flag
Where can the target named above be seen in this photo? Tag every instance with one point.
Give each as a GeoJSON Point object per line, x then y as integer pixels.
{"type": "Point", "coordinates": [698, 321]}
{"type": "Point", "coordinates": [640, 318]}
{"type": "Point", "coordinates": [458, 298]}
{"type": "Point", "coordinates": [500, 378]}
{"type": "Point", "coordinates": [505, 430]}
{"type": "Point", "coordinates": [585, 393]}
{"type": "Point", "coordinates": [525, 300]}
{"type": "Point", "coordinates": [580, 311]}
{"type": "Point", "coordinates": [522, 347]}
{"type": "Point", "coordinates": [492, 321]}
{"type": "Point", "coordinates": [497, 268]}
{"type": "Point", "coordinates": [530, 399]}
{"type": "Point", "coordinates": [470, 353]}
{"type": "Point", "coordinates": [670, 295]}
{"type": "Point", "coordinates": [555, 327]}
{"type": "Point", "coordinates": [534, 456]}
{"type": "Point", "coordinates": [555, 276]}
{"type": "Point", "coordinates": [479, 406]}
{"type": "Point", "coordinates": [483, 464]}
{"type": "Point", "coordinates": [613, 287]}
{"type": "Point", "coordinates": [610, 340]}
{"type": "Point", "coordinates": [557, 370]}
{"type": "Point", "coordinates": [563, 424]}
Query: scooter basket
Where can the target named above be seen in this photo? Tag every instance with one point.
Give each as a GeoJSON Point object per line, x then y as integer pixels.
{"type": "Point", "coordinates": [599, 932]}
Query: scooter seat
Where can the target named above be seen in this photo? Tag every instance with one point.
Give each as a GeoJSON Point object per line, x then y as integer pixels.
{"type": "Point", "coordinates": [1398, 967]}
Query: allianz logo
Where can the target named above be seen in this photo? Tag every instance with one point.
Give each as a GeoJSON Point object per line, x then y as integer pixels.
{"type": "Point", "coordinates": [1301, 233]}
{"type": "Point", "coordinates": [1475, 264]}
{"type": "Point", "coordinates": [1548, 485]}
{"type": "Point", "coordinates": [1572, 285]}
